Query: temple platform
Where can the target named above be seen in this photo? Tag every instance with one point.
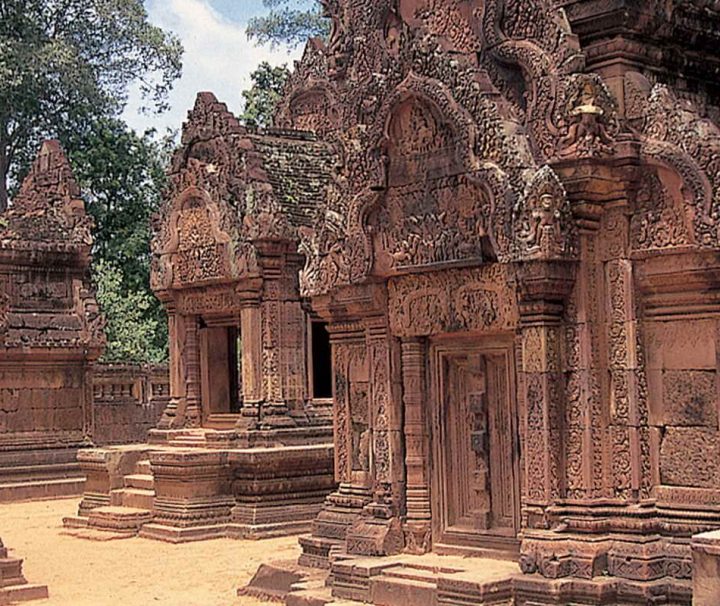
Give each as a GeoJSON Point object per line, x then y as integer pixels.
{"type": "Point", "coordinates": [196, 486]}
{"type": "Point", "coordinates": [428, 580]}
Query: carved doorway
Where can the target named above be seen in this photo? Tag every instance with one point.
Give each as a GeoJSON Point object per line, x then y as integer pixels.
{"type": "Point", "coordinates": [476, 484]}
{"type": "Point", "coordinates": [220, 355]}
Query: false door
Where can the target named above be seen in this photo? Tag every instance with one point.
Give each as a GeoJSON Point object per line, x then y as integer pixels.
{"type": "Point", "coordinates": [476, 448]}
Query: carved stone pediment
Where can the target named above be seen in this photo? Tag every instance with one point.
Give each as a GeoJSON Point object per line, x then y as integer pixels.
{"type": "Point", "coordinates": [198, 244]}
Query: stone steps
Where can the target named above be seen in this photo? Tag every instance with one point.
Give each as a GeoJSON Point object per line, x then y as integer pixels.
{"type": "Point", "coordinates": [140, 480]}
{"type": "Point", "coordinates": [119, 518]}
{"type": "Point", "coordinates": [411, 574]}
{"type": "Point", "coordinates": [11, 572]}
{"type": "Point", "coordinates": [222, 421]}
{"type": "Point", "coordinates": [130, 509]}
{"type": "Point", "coordinates": [399, 591]}
{"type": "Point", "coordinates": [22, 593]}
{"type": "Point", "coordinates": [189, 442]}
{"type": "Point", "coordinates": [136, 498]}
{"type": "Point", "coordinates": [189, 439]}
{"type": "Point", "coordinates": [143, 467]}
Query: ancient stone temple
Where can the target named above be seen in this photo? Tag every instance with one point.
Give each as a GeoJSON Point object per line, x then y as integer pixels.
{"type": "Point", "coordinates": [517, 260]}
{"type": "Point", "coordinates": [51, 333]}
{"type": "Point", "coordinates": [244, 447]}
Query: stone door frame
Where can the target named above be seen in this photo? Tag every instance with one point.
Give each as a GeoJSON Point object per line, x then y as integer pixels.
{"type": "Point", "coordinates": [491, 540]}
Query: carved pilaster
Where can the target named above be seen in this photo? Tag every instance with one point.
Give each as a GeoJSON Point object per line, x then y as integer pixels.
{"type": "Point", "coordinates": [378, 531]}
{"type": "Point", "coordinates": [176, 403]}
{"type": "Point", "coordinates": [627, 413]}
{"type": "Point", "coordinates": [193, 414]}
{"type": "Point", "coordinates": [87, 404]}
{"type": "Point", "coordinates": [418, 515]}
{"type": "Point", "coordinates": [271, 343]}
{"type": "Point", "coordinates": [252, 358]}
{"type": "Point", "coordinates": [543, 288]}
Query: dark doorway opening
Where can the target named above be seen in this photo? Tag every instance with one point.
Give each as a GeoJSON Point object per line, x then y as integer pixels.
{"type": "Point", "coordinates": [321, 361]}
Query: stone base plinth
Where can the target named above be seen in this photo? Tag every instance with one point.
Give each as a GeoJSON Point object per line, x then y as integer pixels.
{"type": "Point", "coordinates": [340, 511]}
{"type": "Point", "coordinates": [706, 569]}
{"type": "Point", "coordinates": [33, 471]}
{"type": "Point", "coordinates": [13, 585]}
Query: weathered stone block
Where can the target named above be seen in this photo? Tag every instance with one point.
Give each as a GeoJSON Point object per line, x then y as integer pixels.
{"type": "Point", "coordinates": [689, 457]}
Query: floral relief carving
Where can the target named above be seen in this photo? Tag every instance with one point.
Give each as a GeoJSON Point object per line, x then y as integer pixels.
{"type": "Point", "coordinates": [455, 300]}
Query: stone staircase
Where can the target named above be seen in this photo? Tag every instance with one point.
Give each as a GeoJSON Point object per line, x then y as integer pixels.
{"type": "Point", "coordinates": [190, 438]}
{"type": "Point", "coordinates": [130, 507]}
{"type": "Point", "coordinates": [430, 580]}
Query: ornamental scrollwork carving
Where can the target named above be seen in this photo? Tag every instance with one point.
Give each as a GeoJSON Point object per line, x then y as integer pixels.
{"type": "Point", "coordinates": [676, 135]}
{"type": "Point", "coordinates": [455, 300]}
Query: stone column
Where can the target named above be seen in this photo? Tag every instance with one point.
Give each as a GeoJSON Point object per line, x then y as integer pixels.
{"type": "Point", "coordinates": [352, 431]}
{"type": "Point", "coordinates": [543, 287]}
{"type": "Point", "coordinates": [274, 410]}
{"type": "Point", "coordinates": [418, 516]}
{"type": "Point", "coordinates": [543, 399]}
{"type": "Point", "coordinates": [87, 405]}
{"type": "Point", "coordinates": [378, 532]}
{"type": "Point", "coordinates": [191, 357]}
{"type": "Point", "coordinates": [252, 362]}
{"type": "Point", "coordinates": [172, 416]}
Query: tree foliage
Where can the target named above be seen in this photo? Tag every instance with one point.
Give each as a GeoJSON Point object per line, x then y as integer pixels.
{"type": "Point", "coordinates": [288, 23]}
{"type": "Point", "coordinates": [65, 64]}
{"type": "Point", "coordinates": [122, 175]}
{"type": "Point", "coordinates": [131, 329]}
{"type": "Point", "coordinates": [268, 83]}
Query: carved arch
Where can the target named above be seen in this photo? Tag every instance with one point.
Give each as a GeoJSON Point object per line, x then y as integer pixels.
{"type": "Point", "coordinates": [198, 243]}
{"type": "Point", "coordinates": [660, 218]}
{"type": "Point", "coordinates": [312, 107]}
{"type": "Point", "coordinates": [677, 137]}
{"type": "Point", "coordinates": [440, 102]}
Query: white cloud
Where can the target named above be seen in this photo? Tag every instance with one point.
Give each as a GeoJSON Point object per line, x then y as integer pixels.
{"type": "Point", "coordinates": [218, 58]}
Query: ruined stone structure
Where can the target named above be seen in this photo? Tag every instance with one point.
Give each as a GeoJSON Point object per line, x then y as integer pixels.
{"type": "Point", "coordinates": [51, 333]}
{"type": "Point", "coordinates": [517, 258]}
{"type": "Point", "coordinates": [244, 446]}
{"type": "Point", "coordinates": [14, 587]}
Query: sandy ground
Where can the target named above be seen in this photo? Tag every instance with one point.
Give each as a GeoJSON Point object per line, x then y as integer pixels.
{"type": "Point", "coordinates": [130, 572]}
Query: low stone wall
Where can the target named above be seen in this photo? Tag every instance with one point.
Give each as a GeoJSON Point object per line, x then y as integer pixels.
{"type": "Point", "coordinates": [128, 401]}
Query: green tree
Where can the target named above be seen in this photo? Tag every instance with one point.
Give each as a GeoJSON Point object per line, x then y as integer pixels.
{"type": "Point", "coordinates": [131, 329]}
{"type": "Point", "coordinates": [288, 23]}
{"type": "Point", "coordinates": [122, 175]}
{"type": "Point", "coordinates": [268, 83]}
{"type": "Point", "coordinates": [64, 64]}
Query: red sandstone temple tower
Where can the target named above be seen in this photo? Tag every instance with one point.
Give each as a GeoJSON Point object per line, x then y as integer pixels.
{"type": "Point", "coordinates": [244, 447]}
{"type": "Point", "coordinates": [52, 334]}
{"type": "Point", "coordinates": [517, 259]}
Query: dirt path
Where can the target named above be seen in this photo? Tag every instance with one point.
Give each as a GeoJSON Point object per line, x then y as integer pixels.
{"type": "Point", "coordinates": [130, 572]}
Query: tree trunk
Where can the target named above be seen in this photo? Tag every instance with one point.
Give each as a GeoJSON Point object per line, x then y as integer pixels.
{"type": "Point", "coordinates": [4, 168]}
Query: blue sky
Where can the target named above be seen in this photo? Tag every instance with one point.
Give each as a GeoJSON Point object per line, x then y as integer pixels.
{"type": "Point", "coordinates": [238, 10]}
{"type": "Point", "coordinates": [218, 55]}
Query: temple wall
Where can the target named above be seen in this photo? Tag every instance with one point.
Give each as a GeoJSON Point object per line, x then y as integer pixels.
{"type": "Point", "coordinates": [128, 401]}
{"type": "Point", "coordinates": [683, 402]}
{"type": "Point", "coordinates": [39, 399]}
